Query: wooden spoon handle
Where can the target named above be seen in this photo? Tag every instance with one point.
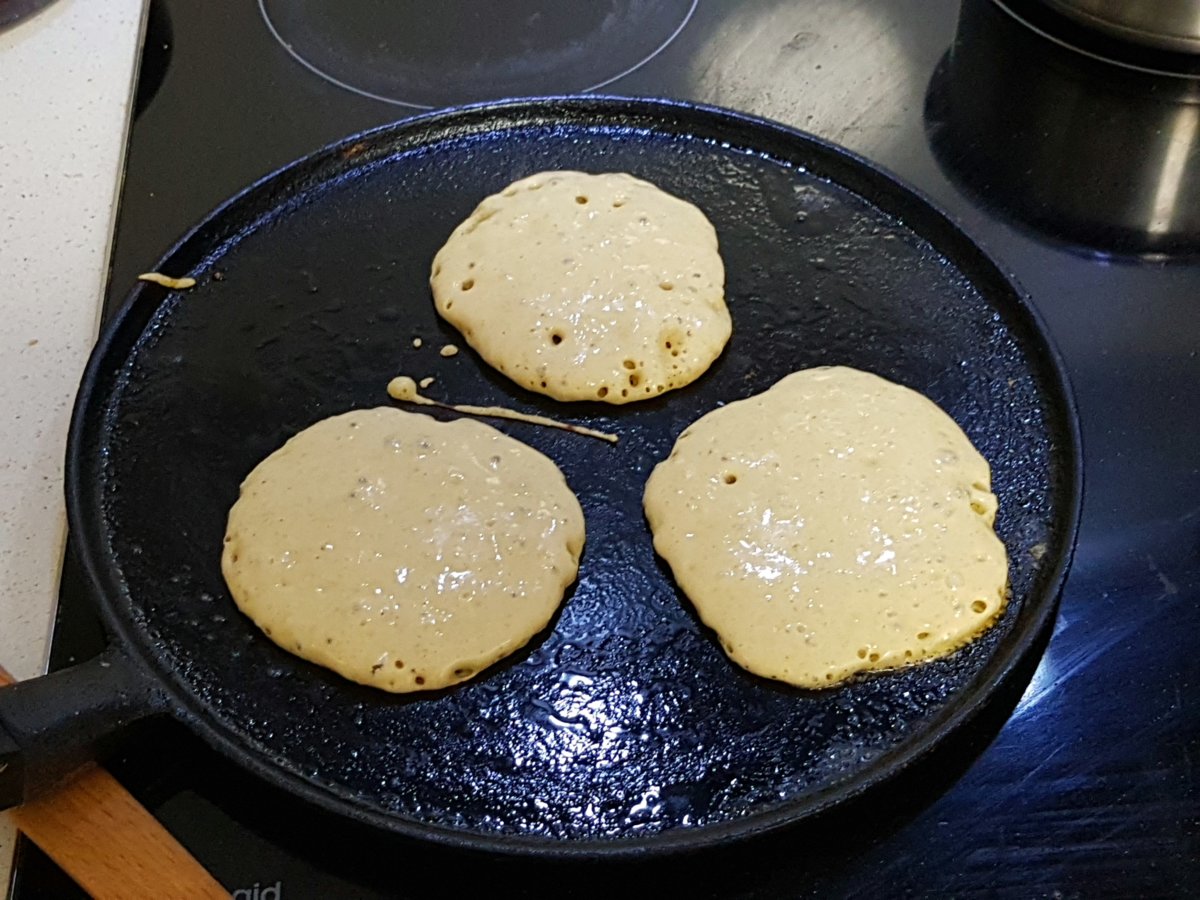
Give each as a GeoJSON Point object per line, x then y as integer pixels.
{"type": "Point", "coordinates": [104, 839]}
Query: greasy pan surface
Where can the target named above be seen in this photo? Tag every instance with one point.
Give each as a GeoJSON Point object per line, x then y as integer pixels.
{"type": "Point", "coordinates": [623, 727]}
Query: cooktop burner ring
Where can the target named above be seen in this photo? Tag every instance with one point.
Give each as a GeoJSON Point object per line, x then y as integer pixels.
{"type": "Point", "coordinates": [595, 45]}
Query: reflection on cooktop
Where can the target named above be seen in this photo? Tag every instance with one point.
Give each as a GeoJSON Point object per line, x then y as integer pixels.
{"type": "Point", "coordinates": [416, 54]}
{"type": "Point", "coordinates": [1078, 150]}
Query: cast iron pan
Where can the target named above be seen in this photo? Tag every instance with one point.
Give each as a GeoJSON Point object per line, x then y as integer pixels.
{"type": "Point", "coordinates": [622, 729]}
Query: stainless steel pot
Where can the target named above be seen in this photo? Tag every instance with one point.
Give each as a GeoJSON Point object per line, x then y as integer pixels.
{"type": "Point", "coordinates": [1069, 148]}
{"type": "Point", "coordinates": [1166, 24]}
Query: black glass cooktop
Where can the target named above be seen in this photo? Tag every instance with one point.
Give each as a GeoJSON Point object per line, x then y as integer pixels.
{"type": "Point", "coordinates": [428, 55]}
{"type": "Point", "coordinates": [1082, 176]}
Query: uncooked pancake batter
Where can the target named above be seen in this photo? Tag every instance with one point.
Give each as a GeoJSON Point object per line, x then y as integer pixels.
{"type": "Point", "coordinates": [403, 388]}
{"type": "Point", "coordinates": [402, 552]}
{"type": "Point", "coordinates": [835, 523]}
{"type": "Point", "coordinates": [587, 287]}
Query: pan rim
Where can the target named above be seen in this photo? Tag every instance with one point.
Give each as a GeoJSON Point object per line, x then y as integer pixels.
{"type": "Point", "coordinates": [104, 585]}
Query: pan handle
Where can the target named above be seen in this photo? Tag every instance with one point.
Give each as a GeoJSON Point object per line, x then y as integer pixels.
{"type": "Point", "coordinates": [52, 725]}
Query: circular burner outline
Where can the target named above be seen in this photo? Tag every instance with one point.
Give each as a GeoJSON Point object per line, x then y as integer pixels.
{"type": "Point", "coordinates": [325, 76]}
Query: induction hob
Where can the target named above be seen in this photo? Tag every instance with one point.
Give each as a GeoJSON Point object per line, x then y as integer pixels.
{"type": "Point", "coordinates": [1081, 175]}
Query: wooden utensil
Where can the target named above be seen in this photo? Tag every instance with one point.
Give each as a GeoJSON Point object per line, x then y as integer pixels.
{"type": "Point", "coordinates": [104, 839]}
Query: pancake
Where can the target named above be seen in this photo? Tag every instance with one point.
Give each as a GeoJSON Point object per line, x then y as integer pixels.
{"type": "Point", "coordinates": [402, 552]}
{"type": "Point", "coordinates": [586, 287]}
{"type": "Point", "coordinates": [833, 524]}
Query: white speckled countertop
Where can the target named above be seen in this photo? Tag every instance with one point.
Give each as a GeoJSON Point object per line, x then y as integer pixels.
{"type": "Point", "coordinates": [66, 78]}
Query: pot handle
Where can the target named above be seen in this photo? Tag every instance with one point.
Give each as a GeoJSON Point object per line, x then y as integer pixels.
{"type": "Point", "coordinates": [52, 725]}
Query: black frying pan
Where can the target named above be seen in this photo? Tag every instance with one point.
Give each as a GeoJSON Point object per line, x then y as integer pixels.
{"type": "Point", "coordinates": [623, 728]}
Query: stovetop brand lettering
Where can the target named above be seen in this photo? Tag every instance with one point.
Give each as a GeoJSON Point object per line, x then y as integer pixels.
{"type": "Point", "coordinates": [263, 892]}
